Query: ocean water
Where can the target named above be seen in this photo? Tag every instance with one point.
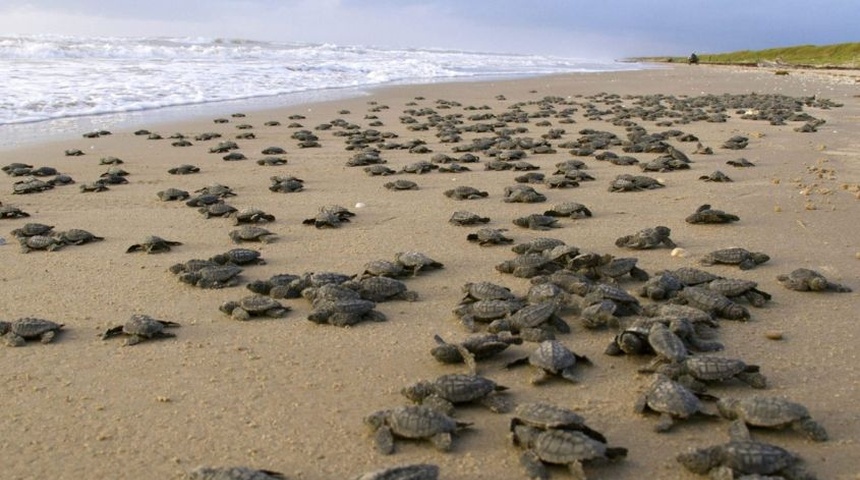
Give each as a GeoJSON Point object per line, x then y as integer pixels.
{"type": "Point", "coordinates": [51, 82]}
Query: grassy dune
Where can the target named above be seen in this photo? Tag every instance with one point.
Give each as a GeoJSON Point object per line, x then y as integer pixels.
{"type": "Point", "coordinates": [841, 55]}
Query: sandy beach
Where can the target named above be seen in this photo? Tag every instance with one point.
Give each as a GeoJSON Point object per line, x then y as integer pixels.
{"type": "Point", "coordinates": [290, 395]}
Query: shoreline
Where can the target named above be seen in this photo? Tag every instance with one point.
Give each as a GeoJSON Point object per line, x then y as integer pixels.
{"type": "Point", "coordinates": [289, 395]}
{"type": "Point", "coordinates": [16, 135]}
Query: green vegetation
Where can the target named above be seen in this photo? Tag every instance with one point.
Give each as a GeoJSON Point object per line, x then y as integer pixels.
{"type": "Point", "coordinates": [841, 55]}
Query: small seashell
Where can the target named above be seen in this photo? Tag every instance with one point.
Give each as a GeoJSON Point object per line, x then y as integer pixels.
{"type": "Point", "coordinates": [773, 335]}
{"type": "Point", "coordinates": [679, 252]}
{"type": "Point", "coordinates": [360, 205]}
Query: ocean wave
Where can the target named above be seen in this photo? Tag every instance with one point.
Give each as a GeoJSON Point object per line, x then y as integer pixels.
{"type": "Point", "coordinates": [51, 76]}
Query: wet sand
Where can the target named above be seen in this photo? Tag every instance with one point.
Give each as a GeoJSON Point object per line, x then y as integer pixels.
{"type": "Point", "coordinates": [289, 395]}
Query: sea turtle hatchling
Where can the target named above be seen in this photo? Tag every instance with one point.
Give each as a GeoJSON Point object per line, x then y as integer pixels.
{"type": "Point", "coordinates": [254, 306]}
{"type": "Point", "coordinates": [233, 473]}
{"type": "Point", "coordinates": [551, 358]}
{"type": "Point", "coordinates": [696, 371]}
{"type": "Point", "coordinates": [734, 288]}
{"type": "Point", "coordinates": [671, 400]}
{"type": "Point", "coordinates": [474, 291]}
{"type": "Point", "coordinates": [462, 218]}
{"type": "Point", "coordinates": [465, 193]}
{"type": "Point", "coordinates": [412, 422]}
{"type": "Point", "coordinates": [706, 214]}
{"type": "Point", "coordinates": [172, 194]}
{"type": "Point", "coordinates": [39, 242]}
{"type": "Point", "coordinates": [485, 311]}
{"type": "Point", "coordinates": [560, 447]}
{"type": "Point", "coordinates": [547, 416]}
{"type": "Point", "coordinates": [217, 209]}
{"type": "Point", "coordinates": [522, 194]}
{"type": "Point", "coordinates": [252, 233]}
{"type": "Point", "coordinates": [489, 236]}
{"type": "Point", "coordinates": [715, 176]}
{"type": "Point", "coordinates": [771, 412]}
{"type": "Point", "coordinates": [344, 311]}
{"type": "Point", "coordinates": [184, 169]}
{"type": "Point", "coordinates": [647, 238]}
{"type": "Point", "coordinates": [741, 257]}
{"type": "Point", "coordinates": [212, 276]}
{"type": "Point", "coordinates": [32, 229]}
{"type": "Point", "coordinates": [473, 348]}
{"type": "Point", "coordinates": [634, 183]}
{"type": "Point", "coordinates": [415, 471]}
{"type": "Point", "coordinates": [569, 209]}
{"type": "Point", "coordinates": [10, 212]}
{"type": "Point", "coordinates": [141, 327]}
{"type": "Point", "coordinates": [239, 256]}
{"type": "Point", "coordinates": [76, 236]}
{"type": "Point", "coordinates": [416, 261]}
{"type": "Point", "coordinates": [537, 221]}
{"type": "Point", "coordinates": [381, 289]}
{"type": "Point", "coordinates": [251, 216]}
{"type": "Point", "coordinates": [401, 185]}
{"type": "Point", "coordinates": [712, 302]}
{"type": "Point", "coordinates": [153, 244]}
{"type": "Point", "coordinates": [744, 458]}
{"type": "Point", "coordinates": [16, 334]}
{"type": "Point", "coordinates": [446, 391]}
{"type": "Point", "coordinates": [806, 280]}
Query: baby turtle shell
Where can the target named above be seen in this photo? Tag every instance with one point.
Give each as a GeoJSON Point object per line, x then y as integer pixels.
{"type": "Point", "coordinates": [212, 276]}
{"type": "Point", "coordinates": [741, 257]}
{"type": "Point", "coordinates": [401, 185]}
{"type": "Point", "coordinates": [16, 334]}
{"type": "Point", "coordinates": [560, 447]}
{"type": "Point", "coordinates": [184, 169]}
{"type": "Point", "coordinates": [547, 416]}
{"type": "Point", "coordinates": [412, 422]}
{"type": "Point", "coordinates": [462, 217]}
{"type": "Point", "coordinates": [254, 306]}
{"type": "Point", "coordinates": [416, 261]}
{"type": "Point", "coordinates": [448, 390]}
{"type": "Point", "coordinates": [489, 236]}
{"type": "Point", "coordinates": [251, 233]}
{"type": "Point", "coordinates": [234, 473]}
{"type": "Point", "coordinates": [743, 459]}
{"type": "Point", "coordinates": [706, 214]}
{"type": "Point", "coordinates": [153, 244]}
{"type": "Point", "coordinates": [772, 412]}
{"type": "Point", "coordinates": [39, 242]}
{"type": "Point", "coordinates": [647, 238]}
{"type": "Point", "coordinates": [32, 229]}
{"type": "Point", "coordinates": [465, 193]}
{"type": "Point", "coordinates": [171, 194]}
{"type": "Point", "coordinates": [671, 400]}
{"type": "Point", "coordinates": [551, 358]}
{"type": "Point", "coordinates": [537, 221]}
{"type": "Point", "coordinates": [806, 280]}
{"type": "Point", "coordinates": [699, 369]}
{"type": "Point", "coordinates": [141, 327]}
{"type": "Point", "coordinates": [418, 471]}
{"type": "Point", "coordinates": [569, 209]}
{"type": "Point", "coordinates": [76, 236]}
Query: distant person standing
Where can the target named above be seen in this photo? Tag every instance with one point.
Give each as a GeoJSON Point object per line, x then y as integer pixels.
{"type": "Point", "coordinates": [693, 59]}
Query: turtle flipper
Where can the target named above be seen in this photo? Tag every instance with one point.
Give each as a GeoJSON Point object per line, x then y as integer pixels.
{"type": "Point", "coordinates": [811, 428]}
{"type": "Point", "coordinates": [535, 469]}
{"type": "Point", "coordinates": [738, 431]}
{"type": "Point", "coordinates": [112, 332]}
{"type": "Point", "coordinates": [665, 423]}
{"type": "Point", "coordinates": [442, 441]}
{"type": "Point", "coordinates": [384, 440]}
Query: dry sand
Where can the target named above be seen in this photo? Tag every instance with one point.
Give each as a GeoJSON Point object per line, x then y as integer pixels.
{"type": "Point", "coordinates": [289, 395]}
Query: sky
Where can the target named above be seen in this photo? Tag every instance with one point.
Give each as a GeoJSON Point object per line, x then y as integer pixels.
{"type": "Point", "coordinates": [593, 29]}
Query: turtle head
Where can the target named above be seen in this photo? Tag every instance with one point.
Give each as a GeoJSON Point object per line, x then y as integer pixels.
{"type": "Point", "coordinates": [759, 257]}
{"type": "Point", "coordinates": [726, 407]}
{"type": "Point", "coordinates": [5, 327]}
{"type": "Point", "coordinates": [376, 419]}
{"type": "Point", "coordinates": [700, 461]}
{"type": "Point", "coordinates": [523, 435]}
{"type": "Point", "coordinates": [418, 391]}
{"type": "Point", "coordinates": [229, 306]}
